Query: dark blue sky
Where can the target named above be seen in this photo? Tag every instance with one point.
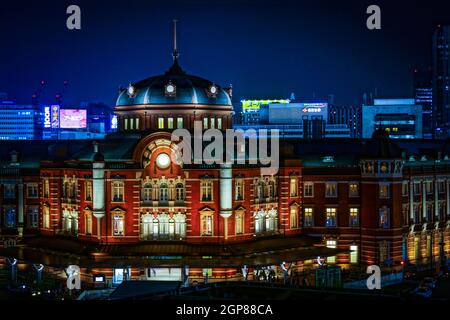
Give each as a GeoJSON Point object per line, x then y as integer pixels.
{"type": "Point", "coordinates": [264, 48]}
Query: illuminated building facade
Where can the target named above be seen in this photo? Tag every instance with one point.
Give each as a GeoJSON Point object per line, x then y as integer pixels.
{"type": "Point", "coordinates": [379, 200]}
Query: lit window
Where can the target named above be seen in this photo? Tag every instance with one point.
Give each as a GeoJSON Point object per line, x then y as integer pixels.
{"type": "Point", "coordinates": [118, 224]}
{"type": "Point", "coordinates": [160, 123]}
{"type": "Point", "coordinates": [131, 124]}
{"type": "Point", "coordinates": [147, 193]}
{"type": "Point", "coordinates": [353, 190]}
{"type": "Point", "coordinates": [206, 190]}
{"type": "Point", "coordinates": [32, 217]}
{"type": "Point", "coordinates": [293, 187]}
{"type": "Point", "coordinates": [308, 189]}
{"type": "Point", "coordinates": [383, 249]}
{"type": "Point", "coordinates": [9, 191]}
{"type": "Point", "coordinates": [331, 190]}
{"type": "Point", "coordinates": [9, 218]}
{"type": "Point", "coordinates": [384, 217]}
{"type": "Point", "coordinates": [212, 123]}
{"type": "Point", "coordinates": [405, 188]}
{"type": "Point", "coordinates": [179, 192]}
{"type": "Point", "coordinates": [170, 123]}
{"type": "Point", "coordinates": [88, 191]}
{"type": "Point", "coordinates": [239, 189]}
{"type": "Point", "coordinates": [219, 123]}
{"type": "Point", "coordinates": [125, 121]}
{"type": "Point", "coordinates": [239, 222]}
{"type": "Point", "coordinates": [308, 217]}
{"type": "Point", "coordinates": [331, 244]}
{"type": "Point", "coordinates": [179, 123]}
{"type": "Point", "coordinates": [354, 217]}
{"type": "Point", "coordinates": [163, 192]}
{"type": "Point", "coordinates": [353, 254]}
{"type": "Point", "coordinates": [384, 191]}
{"type": "Point", "coordinates": [137, 124]}
{"type": "Point", "coordinates": [32, 190]}
{"type": "Point", "coordinates": [293, 217]}
{"type": "Point", "coordinates": [117, 191]}
{"type": "Point", "coordinates": [205, 123]}
{"type": "Point", "coordinates": [206, 220]}
{"type": "Point", "coordinates": [331, 217]}
{"type": "Point", "coordinates": [88, 221]}
{"type": "Point", "coordinates": [46, 219]}
{"type": "Point", "coordinates": [46, 188]}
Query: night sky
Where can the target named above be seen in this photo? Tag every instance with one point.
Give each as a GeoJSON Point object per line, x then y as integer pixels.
{"type": "Point", "coordinates": [266, 49]}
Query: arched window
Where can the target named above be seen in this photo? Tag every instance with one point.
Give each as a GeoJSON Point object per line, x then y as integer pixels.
{"type": "Point", "coordinates": [147, 193]}
{"type": "Point", "coordinates": [146, 226]}
{"type": "Point", "coordinates": [163, 224]}
{"type": "Point", "coordinates": [179, 192]}
{"type": "Point", "coordinates": [271, 220]}
{"type": "Point", "coordinates": [259, 221]}
{"type": "Point", "coordinates": [88, 222]}
{"type": "Point", "coordinates": [65, 189]}
{"type": "Point", "coordinates": [260, 191]}
{"type": "Point", "coordinates": [163, 192]}
{"type": "Point", "coordinates": [171, 227]}
{"type": "Point", "coordinates": [271, 190]}
{"type": "Point", "coordinates": [180, 225]}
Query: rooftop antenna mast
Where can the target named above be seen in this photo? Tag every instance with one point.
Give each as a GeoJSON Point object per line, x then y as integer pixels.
{"type": "Point", "coordinates": [175, 50]}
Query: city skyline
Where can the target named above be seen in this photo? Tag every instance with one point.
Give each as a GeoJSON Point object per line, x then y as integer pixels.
{"type": "Point", "coordinates": [131, 47]}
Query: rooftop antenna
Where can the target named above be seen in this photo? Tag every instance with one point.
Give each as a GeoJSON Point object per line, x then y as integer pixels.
{"type": "Point", "coordinates": [175, 51]}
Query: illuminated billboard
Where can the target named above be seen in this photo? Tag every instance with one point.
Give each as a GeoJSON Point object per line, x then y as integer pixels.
{"type": "Point", "coordinates": [73, 118]}
{"type": "Point", "coordinates": [255, 105]}
{"type": "Point", "coordinates": [55, 116]}
{"type": "Point", "coordinates": [314, 107]}
{"type": "Point", "coordinates": [47, 121]}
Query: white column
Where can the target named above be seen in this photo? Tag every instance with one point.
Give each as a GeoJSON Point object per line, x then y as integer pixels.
{"type": "Point", "coordinates": [424, 199]}
{"type": "Point", "coordinates": [411, 201]}
{"type": "Point", "coordinates": [20, 209]}
{"type": "Point", "coordinates": [98, 188]}
{"type": "Point", "coordinates": [436, 199]}
{"type": "Point", "coordinates": [447, 197]}
{"type": "Point", "coordinates": [226, 191]}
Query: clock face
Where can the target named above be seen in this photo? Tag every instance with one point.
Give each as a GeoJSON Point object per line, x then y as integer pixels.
{"type": "Point", "coordinates": [213, 89]}
{"type": "Point", "coordinates": [170, 88]}
{"type": "Point", "coordinates": [163, 160]}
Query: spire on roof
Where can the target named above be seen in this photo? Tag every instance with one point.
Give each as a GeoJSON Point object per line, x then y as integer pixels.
{"type": "Point", "coordinates": [175, 50]}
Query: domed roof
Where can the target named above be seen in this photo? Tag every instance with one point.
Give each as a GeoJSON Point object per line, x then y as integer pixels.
{"type": "Point", "coordinates": [189, 90]}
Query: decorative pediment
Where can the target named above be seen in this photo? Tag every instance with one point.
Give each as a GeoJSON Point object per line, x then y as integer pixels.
{"type": "Point", "coordinates": [206, 209]}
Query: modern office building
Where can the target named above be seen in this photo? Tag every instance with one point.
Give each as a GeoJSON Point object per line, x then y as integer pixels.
{"type": "Point", "coordinates": [250, 110]}
{"type": "Point", "coordinates": [423, 95]}
{"type": "Point", "coordinates": [306, 120]}
{"type": "Point", "coordinates": [347, 115]}
{"type": "Point", "coordinates": [441, 80]}
{"type": "Point", "coordinates": [401, 118]}
{"type": "Point", "coordinates": [18, 122]}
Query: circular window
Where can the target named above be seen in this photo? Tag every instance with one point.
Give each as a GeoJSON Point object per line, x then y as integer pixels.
{"type": "Point", "coordinates": [163, 160]}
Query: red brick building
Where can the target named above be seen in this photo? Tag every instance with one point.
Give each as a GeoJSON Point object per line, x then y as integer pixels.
{"type": "Point", "coordinates": [383, 201]}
